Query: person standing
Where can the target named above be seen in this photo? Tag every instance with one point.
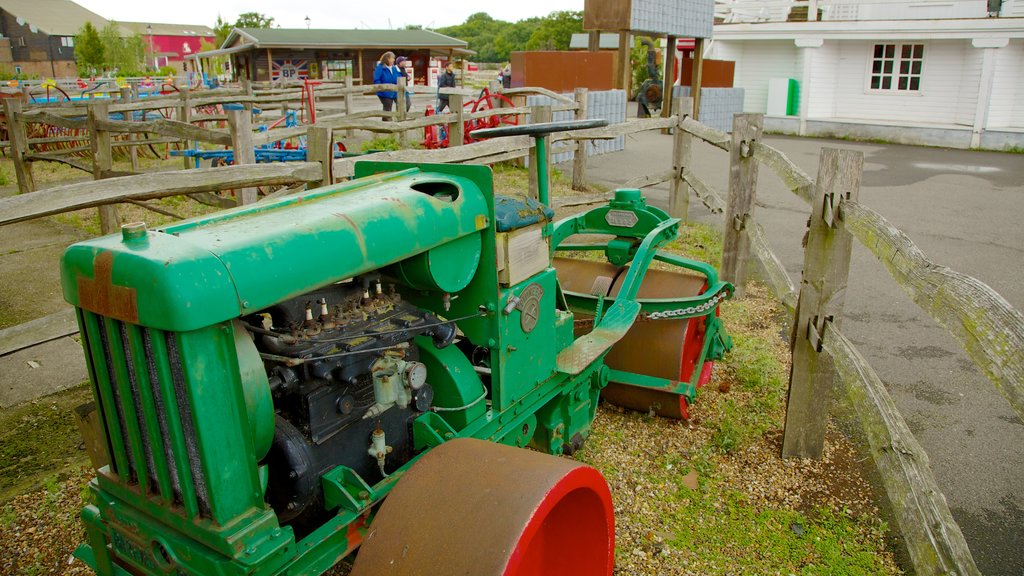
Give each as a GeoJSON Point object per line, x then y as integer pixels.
{"type": "Point", "coordinates": [447, 80]}
{"type": "Point", "coordinates": [387, 73]}
{"type": "Point", "coordinates": [401, 64]}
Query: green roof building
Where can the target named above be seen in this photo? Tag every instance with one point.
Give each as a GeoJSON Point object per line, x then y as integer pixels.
{"type": "Point", "coordinates": [283, 54]}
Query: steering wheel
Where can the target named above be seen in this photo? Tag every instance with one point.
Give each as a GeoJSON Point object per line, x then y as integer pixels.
{"type": "Point", "coordinates": [538, 129]}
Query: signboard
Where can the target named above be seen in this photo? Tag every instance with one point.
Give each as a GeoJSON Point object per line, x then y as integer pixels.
{"type": "Point", "coordinates": [289, 70]}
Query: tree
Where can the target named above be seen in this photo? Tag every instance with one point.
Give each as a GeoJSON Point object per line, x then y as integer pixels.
{"type": "Point", "coordinates": [556, 30]}
{"type": "Point", "coordinates": [513, 38]}
{"type": "Point", "coordinates": [121, 55]}
{"type": "Point", "coordinates": [253, 20]}
{"type": "Point", "coordinates": [221, 30]}
{"type": "Point", "coordinates": [480, 32]}
{"type": "Point", "coordinates": [88, 50]}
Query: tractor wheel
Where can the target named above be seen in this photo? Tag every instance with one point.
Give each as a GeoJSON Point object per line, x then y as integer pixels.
{"type": "Point", "coordinates": [475, 507]}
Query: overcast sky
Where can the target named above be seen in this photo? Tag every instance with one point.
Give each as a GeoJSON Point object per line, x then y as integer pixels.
{"type": "Point", "coordinates": [326, 14]}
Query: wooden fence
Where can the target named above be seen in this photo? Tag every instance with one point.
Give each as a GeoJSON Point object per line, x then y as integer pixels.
{"type": "Point", "coordinates": [991, 331]}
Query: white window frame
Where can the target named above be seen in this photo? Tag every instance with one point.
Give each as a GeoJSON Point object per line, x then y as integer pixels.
{"type": "Point", "coordinates": [67, 41]}
{"type": "Point", "coordinates": [899, 63]}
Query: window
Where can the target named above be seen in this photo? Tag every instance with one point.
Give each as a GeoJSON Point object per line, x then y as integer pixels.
{"type": "Point", "coordinates": [897, 67]}
{"type": "Point", "coordinates": [21, 41]}
{"type": "Point", "coordinates": [68, 41]}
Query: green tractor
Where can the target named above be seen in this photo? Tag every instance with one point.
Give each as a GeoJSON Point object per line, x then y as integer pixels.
{"type": "Point", "coordinates": [361, 366]}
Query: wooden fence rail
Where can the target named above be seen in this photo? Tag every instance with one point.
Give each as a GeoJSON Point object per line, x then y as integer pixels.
{"type": "Point", "coordinates": [990, 330]}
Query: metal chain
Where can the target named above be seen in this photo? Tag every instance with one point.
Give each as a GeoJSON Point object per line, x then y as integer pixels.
{"type": "Point", "coordinates": [691, 311]}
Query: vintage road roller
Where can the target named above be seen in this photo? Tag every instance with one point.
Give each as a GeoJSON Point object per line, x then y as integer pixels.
{"type": "Point", "coordinates": [362, 365]}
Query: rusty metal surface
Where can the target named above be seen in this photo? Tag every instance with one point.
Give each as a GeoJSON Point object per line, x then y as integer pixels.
{"type": "Point", "coordinates": [100, 295]}
{"type": "Point", "coordinates": [464, 507]}
{"type": "Point", "coordinates": [563, 71]}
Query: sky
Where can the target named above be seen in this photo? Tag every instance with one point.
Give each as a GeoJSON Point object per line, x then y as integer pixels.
{"type": "Point", "coordinates": [326, 14]}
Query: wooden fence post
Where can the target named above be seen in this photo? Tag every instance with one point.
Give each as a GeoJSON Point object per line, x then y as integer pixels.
{"type": "Point", "coordinates": [746, 128]}
{"type": "Point", "coordinates": [400, 115]}
{"type": "Point", "coordinates": [240, 124]}
{"type": "Point", "coordinates": [579, 159]}
{"type": "Point", "coordinates": [539, 114]}
{"type": "Point", "coordinates": [455, 129]}
{"type": "Point", "coordinates": [185, 115]}
{"type": "Point", "coordinates": [133, 153]}
{"type": "Point", "coordinates": [102, 162]}
{"type": "Point", "coordinates": [18, 136]}
{"type": "Point", "coordinates": [682, 154]}
{"type": "Point", "coordinates": [348, 102]}
{"type": "Point", "coordinates": [320, 148]}
{"type": "Point", "coordinates": [247, 89]}
{"type": "Point", "coordinates": [822, 292]}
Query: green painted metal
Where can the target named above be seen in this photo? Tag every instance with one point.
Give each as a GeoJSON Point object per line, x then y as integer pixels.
{"type": "Point", "coordinates": [543, 178]}
{"type": "Point", "coordinates": [176, 378]}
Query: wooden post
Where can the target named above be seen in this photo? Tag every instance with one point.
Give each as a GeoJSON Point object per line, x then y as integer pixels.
{"type": "Point", "coordinates": [247, 89]}
{"type": "Point", "coordinates": [455, 129]}
{"type": "Point", "coordinates": [102, 162]}
{"type": "Point", "coordinates": [579, 160]}
{"type": "Point", "coordinates": [133, 153]}
{"type": "Point", "coordinates": [348, 102]}
{"type": "Point", "coordinates": [697, 75]}
{"type": "Point", "coordinates": [682, 152]}
{"type": "Point", "coordinates": [26, 91]}
{"type": "Point", "coordinates": [184, 115]}
{"type": "Point", "coordinates": [400, 116]}
{"type": "Point", "coordinates": [746, 128]}
{"type": "Point", "coordinates": [320, 148]}
{"type": "Point", "coordinates": [822, 292]}
{"type": "Point", "coordinates": [538, 115]}
{"type": "Point", "coordinates": [669, 82]}
{"type": "Point", "coordinates": [594, 41]}
{"type": "Point", "coordinates": [623, 72]}
{"type": "Point", "coordinates": [240, 124]}
{"type": "Point", "coordinates": [18, 136]}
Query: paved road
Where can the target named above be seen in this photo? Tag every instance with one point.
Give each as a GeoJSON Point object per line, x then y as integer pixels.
{"type": "Point", "coordinates": [964, 209]}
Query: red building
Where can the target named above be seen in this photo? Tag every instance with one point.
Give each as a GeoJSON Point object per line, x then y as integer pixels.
{"type": "Point", "coordinates": [168, 44]}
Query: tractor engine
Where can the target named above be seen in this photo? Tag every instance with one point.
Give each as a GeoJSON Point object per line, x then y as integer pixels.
{"type": "Point", "coordinates": [346, 383]}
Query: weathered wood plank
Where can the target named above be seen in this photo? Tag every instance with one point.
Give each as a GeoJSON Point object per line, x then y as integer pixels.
{"type": "Point", "coordinates": [18, 134]}
{"type": "Point", "coordinates": [822, 295]}
{"type": "Point", "coordinates": [157, 209]}
{"type": "Point", "coordinates": [53, 119]}
{"type": "Point", "coordinates": [102, 162]}
{"type": "Point", "coordinates": [707, 195]}
{"type": "Point", "coordinates": [503, 157]}
{"type": "Point", "coordinates": [344, 167]}
{"type": "Point", "coordinates": [261, 138]}
{"type": "Point", "coordinates": [615, 130]}
{"type": "Point", "coordinates": [990, 330]}
{"type": "Point", "coordinates": [38, 331]}
{"type": "Point", "coordinates": [774, 272]}
{"type": "Point", "coordinates": [796, 179]}
{"type": "Point", "coordinates": [931, 535]}
{"type": "Point", "coordinates": [164, 127]}
{"type": "Point", "coordinates": [648, 180]}
{"type": "Point", "coordinates": [714, 137]}
{"type": "Point", "coordinates": [240, 125]}
{"type": "Point", "coordinates": [525, 91]}
{"type": "Point", "coordinates": [62, 158]}
{"type": "Point", "coordinates": [152, 185]}
{"type": "Point", "coordinates": [682, 157]}
{"type": "Point", "coordinates": [740, 205]}
{"type": "Point", "coordinates": [579, 158]}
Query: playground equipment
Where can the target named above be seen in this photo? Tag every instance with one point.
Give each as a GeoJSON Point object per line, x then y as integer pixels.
{"type": "Point", "coordinates": [361, 364]}
{"type": "Point", "coordinates": [649, 96]}
{"type": "Point", "coordinates": [437, 136]}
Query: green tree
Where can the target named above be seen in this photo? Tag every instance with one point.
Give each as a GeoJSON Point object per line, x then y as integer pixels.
{"type": "Point", "coordinates": [556, 30]}
{"type": "Point", "coordinates": [480, 32]}
{"type": "Point", "coordinates": [122, 55]}
{"type": "Point", "coordinates": [253, 20]}
{"type": "Point", "coordinates": [513, 38]}
{"type": "Point", "coordinates": [88, 50]}
{"type": "Point", "coordinates": [221, 29]}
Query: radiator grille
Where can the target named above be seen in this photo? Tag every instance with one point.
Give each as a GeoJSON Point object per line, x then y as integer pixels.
{"type": "Point", "coordinates": [142, 394]}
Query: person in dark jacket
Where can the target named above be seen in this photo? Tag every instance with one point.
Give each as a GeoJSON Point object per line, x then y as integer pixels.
{"type": "Point", "coordinates": [446, 80]}
{"type": "Point", "coordinates": [387, 73]}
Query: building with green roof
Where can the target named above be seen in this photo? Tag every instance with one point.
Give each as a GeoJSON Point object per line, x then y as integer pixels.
{"type": "Point", "coordinates": [283, 54]}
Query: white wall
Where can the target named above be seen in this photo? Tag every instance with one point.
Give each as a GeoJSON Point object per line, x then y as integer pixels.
{"type": "Point", "coordinates": [823, 79]}
{"type": "Point", "coordinates": [756, 63]}
{"type": "Point", "coordinates": [948, 86]}
{"type": "Point", "coordinates": [1007, 83]}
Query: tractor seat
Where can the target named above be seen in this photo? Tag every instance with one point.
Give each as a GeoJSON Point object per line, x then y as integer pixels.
{"type": "Point", "coordinates": [515, 212]}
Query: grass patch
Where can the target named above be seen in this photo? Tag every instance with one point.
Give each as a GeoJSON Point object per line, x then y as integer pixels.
{"type": "Point", "coordinates": [381, 144]}
{"type": "Point", "coordinates": [38, 438]}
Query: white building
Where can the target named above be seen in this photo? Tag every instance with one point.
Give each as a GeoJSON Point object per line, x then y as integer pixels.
{"type": "Point", "coordinates": [939, 72]}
